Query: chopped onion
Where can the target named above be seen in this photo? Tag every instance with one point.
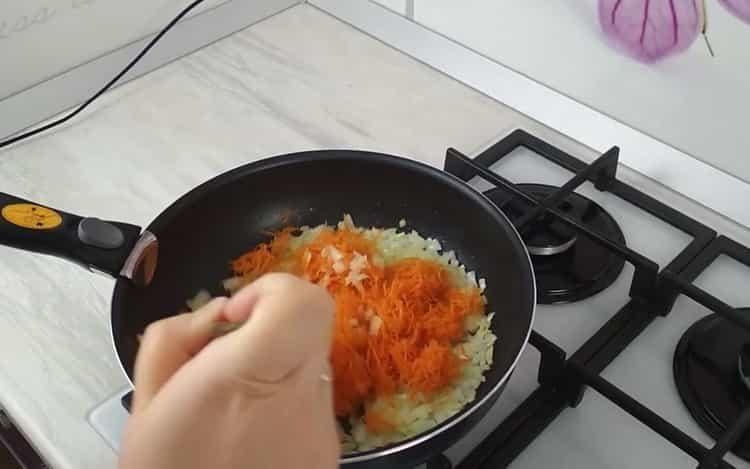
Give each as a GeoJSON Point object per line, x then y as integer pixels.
{"type": "Point", "coordinates": [199, 300]}
{"type": "Point", "coordinates": [339, 267]}
{"type": "Point", "coordinates": [233, 284]}
{"type": "Point", "coordinates": [347, 223]}
{"type": "Point", "coordinates": [358, 262]}
{"type": "Point", "coordinates": [375, 324]}
{"type": "Point", "coordinates": [332, 253]}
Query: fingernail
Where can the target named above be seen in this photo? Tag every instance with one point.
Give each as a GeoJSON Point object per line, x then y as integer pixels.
{"type": "Point", "coordinates": [212, 308]}
{"type": "Point", "coordinates": [223, 328]}
{"type": "Point", "coordinates": [240, 306]}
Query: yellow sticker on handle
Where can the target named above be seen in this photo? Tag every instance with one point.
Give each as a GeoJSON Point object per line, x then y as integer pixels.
{"type": "Point", "coordinates": [31, 216]}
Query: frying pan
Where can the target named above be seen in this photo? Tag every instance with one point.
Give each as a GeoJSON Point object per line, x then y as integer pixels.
{"type": "Point", "coordinates": [188, 247]}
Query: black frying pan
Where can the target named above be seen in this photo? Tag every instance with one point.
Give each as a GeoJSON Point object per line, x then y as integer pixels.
{"type": "Point", "coordinates": [200, 233]}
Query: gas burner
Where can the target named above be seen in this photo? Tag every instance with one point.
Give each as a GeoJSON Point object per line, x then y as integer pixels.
{"type": "Point", "coordinates": [711, 371]}
{"type": "Point", "coordinates": [568, 267]}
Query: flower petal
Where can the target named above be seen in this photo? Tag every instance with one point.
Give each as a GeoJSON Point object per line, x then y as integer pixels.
{"type": "Point", "coordinates": [740, 8]}
{"type": "Point", "coordinates": [650, 30]}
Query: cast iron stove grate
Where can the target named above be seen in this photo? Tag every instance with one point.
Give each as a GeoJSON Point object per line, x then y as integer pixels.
{"type": "Point", "coordinates": [567, 267]}
{"type": "Point", "coordinates": [562, 379]}
{"type": "Point", "coordinates": [707, 361]}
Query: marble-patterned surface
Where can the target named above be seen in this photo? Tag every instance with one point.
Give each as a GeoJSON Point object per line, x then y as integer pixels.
{"type": "Point", "coordinates": [298, 81]}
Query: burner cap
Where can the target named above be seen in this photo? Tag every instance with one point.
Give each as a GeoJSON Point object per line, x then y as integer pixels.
{"type": "Point", "coordinates": [568, 267]}
{"type": "Point", "coordinates": [710, 370]}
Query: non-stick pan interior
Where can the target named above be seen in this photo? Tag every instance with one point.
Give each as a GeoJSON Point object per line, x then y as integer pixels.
{"type": "Point", "coordinates": [225, 217]}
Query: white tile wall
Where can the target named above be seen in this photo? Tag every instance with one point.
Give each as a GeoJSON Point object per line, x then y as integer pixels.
{"type": "Point", "coordinates": [399, 6]}
{"type": "Point", "coordinates": [693, 102]}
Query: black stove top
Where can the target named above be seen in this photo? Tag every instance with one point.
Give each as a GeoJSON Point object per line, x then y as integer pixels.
{"type": "Point", "coordinates": [558, 223]}
{"type": "Point", "coordinates": [711, 376]}
{"type": "Point", "coordinates": [567, 267]}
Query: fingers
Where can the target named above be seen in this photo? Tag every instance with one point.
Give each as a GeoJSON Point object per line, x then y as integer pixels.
{"type": "Point", "coordinates": [168, 344]}
{"type": "Point", "coordinates": [289, 321]}
{"type": "Point", "coordinates": [241, 305]}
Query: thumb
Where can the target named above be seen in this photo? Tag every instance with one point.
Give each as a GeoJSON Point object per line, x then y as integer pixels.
{"type": "Point", "coordinates": [288, 322]}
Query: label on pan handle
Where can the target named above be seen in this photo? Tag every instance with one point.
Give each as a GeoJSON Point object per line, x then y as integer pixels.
{"type": "Point", "coordinates": [31, 216]}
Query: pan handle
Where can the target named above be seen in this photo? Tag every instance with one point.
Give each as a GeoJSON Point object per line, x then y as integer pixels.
{"type": "Point", "coordinates": [109, 247]}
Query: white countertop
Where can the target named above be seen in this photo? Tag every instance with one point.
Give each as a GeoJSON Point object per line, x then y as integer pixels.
{"type": "Point", "coordinates": [298, 81]}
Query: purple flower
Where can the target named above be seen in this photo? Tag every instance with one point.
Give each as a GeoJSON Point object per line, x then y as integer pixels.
{"type": "Point", "coordinates": [740, 8]}
{"type": "Point", "coordinates": [650, 30]}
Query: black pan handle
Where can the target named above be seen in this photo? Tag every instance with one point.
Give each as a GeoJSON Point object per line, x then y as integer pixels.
{"type": "Point", "coordinates": [93, 243]}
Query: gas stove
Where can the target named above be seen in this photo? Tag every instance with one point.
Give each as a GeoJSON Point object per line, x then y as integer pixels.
{"type": "Point", "coordinates": [640, 355]}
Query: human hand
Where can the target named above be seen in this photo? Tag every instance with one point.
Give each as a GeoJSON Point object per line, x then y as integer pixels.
{"type": "Point", "coordinates": [260, 397]}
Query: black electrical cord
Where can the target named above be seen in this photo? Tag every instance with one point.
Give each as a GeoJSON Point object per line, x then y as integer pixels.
{"type": "Point", "coordinates": [79, 109]}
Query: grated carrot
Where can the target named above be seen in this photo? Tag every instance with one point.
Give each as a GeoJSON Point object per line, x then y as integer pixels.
{"type": "Point", "coordinates": [265, 258]}
{"type": "Point", "coordinates": [420, 317]}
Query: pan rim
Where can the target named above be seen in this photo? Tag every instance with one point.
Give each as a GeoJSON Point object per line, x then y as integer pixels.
{"type": "Point", "coordinates": [349, 154]}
